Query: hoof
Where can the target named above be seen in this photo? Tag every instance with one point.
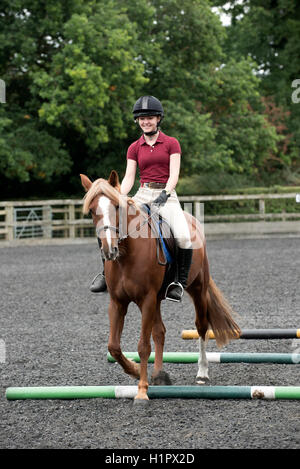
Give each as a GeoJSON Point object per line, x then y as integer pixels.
{"type": "Point", "coordinates": [161, 379]}
{"type": "Point", "coordinates": [202, 380]}
{"type": "Point", "coordinates": [141, 402]}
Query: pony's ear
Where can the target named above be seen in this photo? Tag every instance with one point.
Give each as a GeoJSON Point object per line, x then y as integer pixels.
{"type": "Point", "coordinates": [114, 180]}
{"type": "Point", "coordinates": [85, 181]}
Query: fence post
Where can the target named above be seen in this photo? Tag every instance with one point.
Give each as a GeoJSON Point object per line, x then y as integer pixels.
{"type": "Point", "coordinates": [284, 214]}
{"type": "Point", "coordinates": [9, 220]}
{"type": "Point", "coordinates": [47, 218]}
{"type": "Point", "coordinates": [71, 221]}
{"type": "Point", "coordinates": [262, 208]}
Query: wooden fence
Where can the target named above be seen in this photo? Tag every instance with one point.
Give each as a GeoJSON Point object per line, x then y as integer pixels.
{"type": "Point", "coordinates": [35, 221]}
{"type": "Point", "coordinates": [258, 224]}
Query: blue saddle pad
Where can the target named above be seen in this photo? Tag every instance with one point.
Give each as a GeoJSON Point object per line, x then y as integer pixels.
{"type": "Point", "coordinates": [158, 223]}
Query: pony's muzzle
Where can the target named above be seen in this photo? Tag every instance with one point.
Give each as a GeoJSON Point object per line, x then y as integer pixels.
{"type": "Point", "coordinates": [110, 254]}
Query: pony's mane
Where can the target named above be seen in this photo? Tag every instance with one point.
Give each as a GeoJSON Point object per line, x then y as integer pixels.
{"type": "Point", "coordinates": [102, 187]}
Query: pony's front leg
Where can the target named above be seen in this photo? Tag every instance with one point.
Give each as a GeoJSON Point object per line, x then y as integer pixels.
{"type": "Point", "coordinates": [148, 309]}
{"type": "Point", "coordinates": [117, 312]}
{"type": "Point", "coordinates": [202, 375]}
{"type": "Point", "coordinates": [159, 376]}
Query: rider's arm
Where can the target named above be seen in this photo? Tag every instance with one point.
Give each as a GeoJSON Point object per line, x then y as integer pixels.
{"type": "Point", "coordinates": [129, 177]}
{"type": "Point", "coordinates": [174, 172]}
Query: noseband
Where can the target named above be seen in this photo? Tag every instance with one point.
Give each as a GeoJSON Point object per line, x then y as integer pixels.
{"type": "Point", "coordinates": [108, 227]}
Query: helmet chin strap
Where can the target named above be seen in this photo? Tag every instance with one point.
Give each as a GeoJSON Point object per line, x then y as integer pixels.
{"type": "Point", "coordinates": [153, 132]}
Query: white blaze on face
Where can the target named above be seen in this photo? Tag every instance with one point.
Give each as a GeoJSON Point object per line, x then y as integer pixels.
{"type": "Point", "coordinates": [104, 204]}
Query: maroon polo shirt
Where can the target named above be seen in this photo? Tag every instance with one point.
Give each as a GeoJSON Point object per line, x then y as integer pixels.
{"type": "Point", "coordinates": [154, 160]}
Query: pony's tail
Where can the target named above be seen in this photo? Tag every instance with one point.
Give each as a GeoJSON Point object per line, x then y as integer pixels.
{"type": "Point", "coordinates": [219, 314]}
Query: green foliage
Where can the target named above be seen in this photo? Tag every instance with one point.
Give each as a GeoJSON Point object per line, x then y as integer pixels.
{"type": "Point", "coordinates": [27, 150]}
{"type": "Point", "coordinates": [92, 79]}
{"type": "Point", "coordinates": [268, 32]}
{"type": "Point", "coordinates": [74, 69]}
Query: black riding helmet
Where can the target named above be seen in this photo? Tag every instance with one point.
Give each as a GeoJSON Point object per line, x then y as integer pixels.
{"type": "Point", "coordinates": [148, 106]}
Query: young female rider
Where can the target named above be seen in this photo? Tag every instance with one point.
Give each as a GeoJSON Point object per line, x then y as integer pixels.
{"type": "Point", "coordinates": [158, 158]}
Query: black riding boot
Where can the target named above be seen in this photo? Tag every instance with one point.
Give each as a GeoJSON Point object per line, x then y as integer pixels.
{"type": "Point", "coordinates": [98, 284]}
{"type": "Point", "coordinates": [175, 289]}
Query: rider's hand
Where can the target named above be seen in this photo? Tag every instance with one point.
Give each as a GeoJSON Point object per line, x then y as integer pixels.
{"type": "Point", "coordinates": [162, 198]}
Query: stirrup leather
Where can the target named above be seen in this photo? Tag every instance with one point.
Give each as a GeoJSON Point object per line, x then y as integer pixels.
{"type": "Point", "coordinates": [177, 284]}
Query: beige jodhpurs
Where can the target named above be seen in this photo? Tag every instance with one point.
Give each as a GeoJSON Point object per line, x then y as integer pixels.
{"type": "Point", "coordinates": [171, 212]}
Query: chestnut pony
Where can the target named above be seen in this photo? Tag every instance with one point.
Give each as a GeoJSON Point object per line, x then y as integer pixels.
{"type": "Point", "coordinates": [133, 274]}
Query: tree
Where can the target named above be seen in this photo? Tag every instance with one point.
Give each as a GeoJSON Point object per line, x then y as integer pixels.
{"type": "Point", "coordinates": [269, 33]}
{"type": "Point", "coordinates": [29, 35]}
{"type": "Point", "coordinates": [211, 100]}
{"type": "Point", "coordinates": [74, 69]}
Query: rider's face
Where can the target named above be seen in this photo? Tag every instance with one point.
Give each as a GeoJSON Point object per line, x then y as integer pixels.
{"type": "Point", "coordinates": [149, 123]}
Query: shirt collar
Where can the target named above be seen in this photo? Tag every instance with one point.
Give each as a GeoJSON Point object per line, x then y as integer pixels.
{"type": "Point", "coordinates": [160, 139]}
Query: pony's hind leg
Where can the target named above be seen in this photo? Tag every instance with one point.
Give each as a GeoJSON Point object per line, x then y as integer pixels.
{"type": "Point", "coordinates": [198, 294]}
{"type": "Point", "coordinates": [159, 376]}
{"type": "Point", "coordinates": [202, 375]}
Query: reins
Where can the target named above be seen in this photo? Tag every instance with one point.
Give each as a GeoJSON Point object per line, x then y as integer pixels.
{"type": "Point", "coordinates": [146, 220]}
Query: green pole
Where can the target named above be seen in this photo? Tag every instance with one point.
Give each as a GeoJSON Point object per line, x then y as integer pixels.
{"type": "Point", "coordinates": [287, 392]}
{"type": "Point", "coordinates": [168, 357]}
{"type": "Point", "coordinates": [280, 358]}
{"type": "Point", "coordinates": [193, 357]}
{"type": "Point", "coordinates": [155, 392]}
{"type": "Point", "coordinates": [60, 392]}
{"type": "Point", "coordinates": [199, 392]}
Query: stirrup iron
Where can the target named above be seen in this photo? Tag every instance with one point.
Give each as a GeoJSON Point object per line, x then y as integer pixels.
{"type": "Point", "coordinates": [177, 284]}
